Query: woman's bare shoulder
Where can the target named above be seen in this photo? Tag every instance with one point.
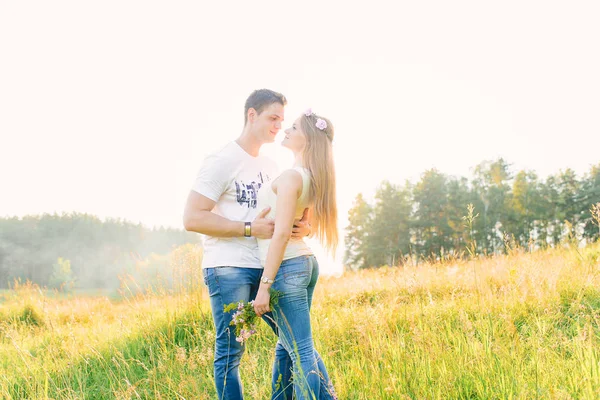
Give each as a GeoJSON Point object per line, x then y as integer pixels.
{"type": "Point", "coordinates": [290, 179]}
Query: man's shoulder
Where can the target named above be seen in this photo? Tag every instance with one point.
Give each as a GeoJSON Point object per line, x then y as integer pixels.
{"type": "Point", "coordinates": [225, 156]}
{"type": "Point", "coordinates": [226, 151]}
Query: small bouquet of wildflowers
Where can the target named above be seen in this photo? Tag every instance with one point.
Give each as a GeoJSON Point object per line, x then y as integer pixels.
{"type": "Point", "coordinates": [244, 318]}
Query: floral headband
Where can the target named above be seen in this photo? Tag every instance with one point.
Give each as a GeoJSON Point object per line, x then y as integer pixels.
{"type": "Point", "coordinates": [320, 124]}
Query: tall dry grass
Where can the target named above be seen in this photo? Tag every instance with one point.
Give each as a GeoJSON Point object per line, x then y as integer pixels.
{"type": "Point", "coordinates": [519, 326]}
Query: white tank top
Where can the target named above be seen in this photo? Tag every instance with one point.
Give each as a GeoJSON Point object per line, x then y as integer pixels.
{"type": "Point", "coordinates": [267, 198]}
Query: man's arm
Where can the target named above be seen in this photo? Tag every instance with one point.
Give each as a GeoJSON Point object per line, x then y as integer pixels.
{"type": "Point", "coordinates": [198, 217]}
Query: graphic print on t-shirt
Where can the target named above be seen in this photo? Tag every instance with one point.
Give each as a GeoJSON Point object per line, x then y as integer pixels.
{"type": "Point", "coordinates": [246, 192]}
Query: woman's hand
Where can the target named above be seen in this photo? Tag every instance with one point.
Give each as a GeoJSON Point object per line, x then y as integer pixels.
{"type": "Point", "coordinates": [301, 227]}
{"type": "Point", "coordinates": [261, 303]}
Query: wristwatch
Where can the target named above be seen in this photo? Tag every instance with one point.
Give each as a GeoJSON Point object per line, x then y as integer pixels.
{"type": "Point", "coordinates": [247, 229]}
{"type": "Point", "coordinates": [266, 280]}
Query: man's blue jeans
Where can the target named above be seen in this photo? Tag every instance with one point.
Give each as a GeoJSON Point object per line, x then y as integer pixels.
{"type": "Point", "coordinates": [295, 352]}
{"type": "Point", "coordinates": [228, 285]}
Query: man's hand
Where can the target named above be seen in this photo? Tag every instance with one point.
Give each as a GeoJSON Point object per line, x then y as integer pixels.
{"type": "Point", "coordinates": [263, 227]}
{"type": "Point", "coordinates": [301, 226]}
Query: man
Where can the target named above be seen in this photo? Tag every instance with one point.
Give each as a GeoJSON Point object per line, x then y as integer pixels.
{"type": "Point", "coordinates": [222, 206]}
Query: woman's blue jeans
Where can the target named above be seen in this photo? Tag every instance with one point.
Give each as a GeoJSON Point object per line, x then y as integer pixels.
{"type": "Point", "coordinates": [296, 280]}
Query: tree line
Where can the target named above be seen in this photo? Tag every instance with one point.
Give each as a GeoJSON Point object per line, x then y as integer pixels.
{"type": "Point", "coordinates": [431, 218]}
{"type": "Point", "coordinates": [79, 249]}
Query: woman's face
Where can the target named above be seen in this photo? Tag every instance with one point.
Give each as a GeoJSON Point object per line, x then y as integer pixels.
{"type": "Point", "coordinates": [295, 139]}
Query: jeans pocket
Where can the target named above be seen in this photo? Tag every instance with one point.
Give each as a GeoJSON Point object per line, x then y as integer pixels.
{"type": "Point", "coordinates": [205, 277]}
{"type": "Point", "coordinates": [297, 272]}
{"type": "Point", "coordinates": [299, 279]}
{"type": "Point", "coordinates": [211, 281]}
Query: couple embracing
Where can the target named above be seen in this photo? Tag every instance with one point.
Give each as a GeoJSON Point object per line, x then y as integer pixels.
{"type": "Point", "coordinates": [255, 221]}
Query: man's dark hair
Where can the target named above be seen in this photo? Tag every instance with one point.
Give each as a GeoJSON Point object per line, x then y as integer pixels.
{"type": "Point", "coordinates": [261, 98]}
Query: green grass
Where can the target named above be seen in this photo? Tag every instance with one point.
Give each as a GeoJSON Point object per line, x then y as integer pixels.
{"type": "Point", "coordinates": [527, 327]}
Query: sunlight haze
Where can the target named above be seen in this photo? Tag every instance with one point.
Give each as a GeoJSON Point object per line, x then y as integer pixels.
{"type": "Point", "coordinates": [109, 108]}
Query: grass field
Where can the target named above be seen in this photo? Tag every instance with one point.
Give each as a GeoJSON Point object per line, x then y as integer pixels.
{"type": "Point", "coordinates": [520, 326]}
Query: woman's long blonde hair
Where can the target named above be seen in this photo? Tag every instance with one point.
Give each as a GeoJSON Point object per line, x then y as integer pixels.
{"type": "Point", "coordinates": [318, 159]}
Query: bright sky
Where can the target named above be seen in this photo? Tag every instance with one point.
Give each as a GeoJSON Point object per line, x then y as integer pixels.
{"type": "Point", "coordinates": [109, 107]}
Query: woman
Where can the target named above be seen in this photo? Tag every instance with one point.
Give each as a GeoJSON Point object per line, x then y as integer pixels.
{"type": "Point", "coordinates": [289, 264]}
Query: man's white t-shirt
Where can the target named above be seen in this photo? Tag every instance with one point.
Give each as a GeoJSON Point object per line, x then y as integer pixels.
{"type": "Point", "coordinates": [232, 178]}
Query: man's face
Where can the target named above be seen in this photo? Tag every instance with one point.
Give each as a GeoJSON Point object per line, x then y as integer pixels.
{"type": "Point", "coordinates": [267, 124]}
